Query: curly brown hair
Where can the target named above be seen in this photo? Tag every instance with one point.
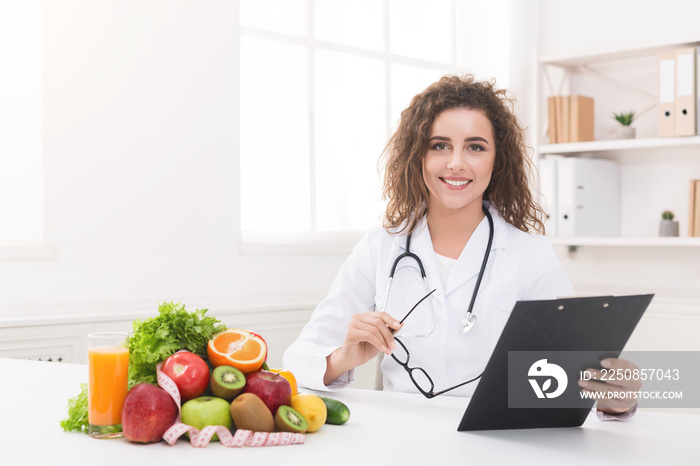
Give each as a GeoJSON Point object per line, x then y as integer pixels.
{"type": "Point", "coordinates": [508, 191]}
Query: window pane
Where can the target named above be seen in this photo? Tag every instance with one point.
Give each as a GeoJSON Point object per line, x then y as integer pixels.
{"type": "Point", "coordinates": [406, 82]}
{"type": "Point", "coordinates": [284, 16]}
{"type": "Point", "coordinates": [350, 135]}
{"type": "Point", "coordinates": [421, 29]}
{"type": "Point", "coordinates": [21, 124]}
{"type": "Point", "coordinates": [357, 23]}
{"type": "Point", "coordinates": [275, 180]}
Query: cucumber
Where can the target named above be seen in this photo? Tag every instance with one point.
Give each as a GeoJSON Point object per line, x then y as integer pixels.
{"type": "Point", "coordinates": [338, 412]}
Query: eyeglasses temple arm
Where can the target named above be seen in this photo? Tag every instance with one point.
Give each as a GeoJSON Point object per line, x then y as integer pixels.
{"type": "Point", "coordinates": [415, 306]}
{"type": "Point", "coordinates": [457, 386]}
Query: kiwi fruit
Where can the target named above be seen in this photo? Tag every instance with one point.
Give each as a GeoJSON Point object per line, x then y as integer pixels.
{"type": "Point", "coordinates": [226, 382]}
{"type": "Point", "coordinates": [288, 419]}
{"type": "Point", "coordinates": [249, 412]}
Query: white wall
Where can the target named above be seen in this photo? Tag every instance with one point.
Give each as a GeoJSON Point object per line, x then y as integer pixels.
{"type": "Point", "coordinates": [141, 166]}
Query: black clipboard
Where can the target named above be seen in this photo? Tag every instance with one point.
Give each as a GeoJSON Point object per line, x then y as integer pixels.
{"type": "Point", "coordinates": [598, 327]}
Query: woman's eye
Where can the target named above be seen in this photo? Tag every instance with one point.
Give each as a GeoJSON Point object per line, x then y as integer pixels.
{"type": "Point", "coordinates": [476, 148]}
{"type": "Point", "coordinates": [440, 146]}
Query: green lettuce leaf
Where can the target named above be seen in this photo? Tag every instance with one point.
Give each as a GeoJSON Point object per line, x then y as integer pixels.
{"type": "Point", "coordinates": [156, 338]}
{"type": "Point", "coordinates": [77, 420]}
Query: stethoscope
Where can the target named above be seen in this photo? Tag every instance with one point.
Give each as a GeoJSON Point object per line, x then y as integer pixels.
{"type": "Point", "coordinates": [469, 319]}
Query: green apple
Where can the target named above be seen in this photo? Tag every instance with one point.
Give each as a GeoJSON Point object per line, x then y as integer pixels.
{"type": "Point", "coordinates": [207, 411]}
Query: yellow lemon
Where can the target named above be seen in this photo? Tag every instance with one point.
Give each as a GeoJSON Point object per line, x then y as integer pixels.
{"type": "Point", "coordinates": [312, 408]}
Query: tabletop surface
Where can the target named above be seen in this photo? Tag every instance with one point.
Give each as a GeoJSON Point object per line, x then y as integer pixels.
{"type": "Point", "coordinates": [384, 428]}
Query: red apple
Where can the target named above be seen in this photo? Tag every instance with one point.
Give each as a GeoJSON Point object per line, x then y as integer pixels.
{"type": "Point", "coordinates": [272, 388]}
{"type": "Point", "coordinates": [147, 413]}
{"type": "Point", "coordinates": [189, 372]}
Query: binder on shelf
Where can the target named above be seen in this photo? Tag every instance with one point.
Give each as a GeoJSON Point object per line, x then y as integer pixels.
{"type": "Point", "coordinates": [667, 94]}
{"type": "Point", "coordinates": [565, 119]}
{"type": "Point", "coordinates": [551, 116]}
{"type": "Point", "coordinates": [692, 231]}
{"type": "Point", "coordinates": [696, 214]}
{"type": "Point", "coordinates": [694, 209]}
{"type": "Point", "coordinates": [557, 119]}
{"type": "Point", "coordinates": [582, 119]}
{"type": "Point", "coordinates": [571, 118]}
{"type": "Point", "coordinates": [587, 197]}
{"type": "Point", "coordinates": [685, 119]}
{"type": "Point", "coordinates": [697, 89]}
{"type": "Point", "coordinates": [548, 189]}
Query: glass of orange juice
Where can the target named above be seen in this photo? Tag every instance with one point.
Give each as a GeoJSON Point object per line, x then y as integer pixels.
{"type": "Point", "coordinates": [108, 369]}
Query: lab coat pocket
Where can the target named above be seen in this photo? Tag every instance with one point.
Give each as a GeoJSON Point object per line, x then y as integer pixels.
{"type": "Point", "coordinates": [502, 306]}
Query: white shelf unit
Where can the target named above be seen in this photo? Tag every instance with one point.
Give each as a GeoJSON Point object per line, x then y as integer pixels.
{"type": "Point", "coordinates": [666, 163]}
{"type": "Point", "coordinates": [617, 145]}
{"type": "Point", "coordinates": [645, 241]}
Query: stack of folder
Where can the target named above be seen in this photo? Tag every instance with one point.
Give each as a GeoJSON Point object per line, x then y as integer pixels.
{"type": "Point", "coordinates": [581, 196]}
{"type": "Point", "coordinates": [570, 118]}
{"type": "Point", "coordinates": [694, 212]}
{"type": "Point", "coordinates": [678, 92]}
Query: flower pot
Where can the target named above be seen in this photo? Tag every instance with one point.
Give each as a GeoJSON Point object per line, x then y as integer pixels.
{"type": "Point", "coordinates": [625, 132]}
{"type": "Point", "coordinates": [668, 228]}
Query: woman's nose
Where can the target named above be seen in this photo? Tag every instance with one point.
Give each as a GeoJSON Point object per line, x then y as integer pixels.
{"type": "Point", "coordinates": [456, 161]}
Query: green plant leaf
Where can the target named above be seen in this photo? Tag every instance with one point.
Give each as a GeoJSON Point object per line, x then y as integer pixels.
{"type": "Point", "coordinates": [624, 118]}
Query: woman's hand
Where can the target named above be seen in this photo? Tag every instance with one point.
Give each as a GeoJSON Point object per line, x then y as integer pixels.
{"type": "Point", "coordinates": [368, 334]}
{"type": "Point", "coordinates": [618, 388]}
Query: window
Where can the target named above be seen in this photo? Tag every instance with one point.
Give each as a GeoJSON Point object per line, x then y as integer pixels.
{"type": "Point", "coordinates": [21, 115]}
{"type": "Point", "coordinates": [322, 83]}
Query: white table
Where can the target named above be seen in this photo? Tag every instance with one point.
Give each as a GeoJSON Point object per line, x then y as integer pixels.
{"type": "Point", "coordinates": [384, 429]}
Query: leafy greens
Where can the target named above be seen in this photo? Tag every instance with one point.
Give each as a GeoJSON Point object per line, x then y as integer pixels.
{"type": "Point", "coordinates": [156, 338]}
{"type": "Point", "coordinates": [77, 420]}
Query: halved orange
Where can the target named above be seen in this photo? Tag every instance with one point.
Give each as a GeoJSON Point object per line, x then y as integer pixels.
{"type": "Point", "coordinates": [237, 348]}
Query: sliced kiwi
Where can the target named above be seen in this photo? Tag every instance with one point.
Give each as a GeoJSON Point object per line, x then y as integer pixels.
{"type": "Point", "coordinates": [227, 382]}
{"type": "Point", "coordinates": [249, 412]}
{"type": "Point", "coordinates": [289, 419]}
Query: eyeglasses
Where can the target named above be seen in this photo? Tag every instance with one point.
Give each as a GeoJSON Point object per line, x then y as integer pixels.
{"type": "Point", "coordinates": [420, 378]}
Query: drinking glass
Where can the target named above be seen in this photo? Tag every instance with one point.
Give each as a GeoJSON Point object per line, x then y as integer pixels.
{"type": "Point", "coordinates": [108, 368]}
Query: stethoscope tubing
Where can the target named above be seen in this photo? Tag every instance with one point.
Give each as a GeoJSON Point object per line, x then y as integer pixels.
{"type": "Point", "coordinates": [483, 263]}
{"type": "Point", "coordinates": [408, 254]}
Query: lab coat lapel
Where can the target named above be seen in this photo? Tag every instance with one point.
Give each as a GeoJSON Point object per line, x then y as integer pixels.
{"type": "Point", "coordinates": [469, 262]}
{"type": "Point", "coordinates": [422, 246]}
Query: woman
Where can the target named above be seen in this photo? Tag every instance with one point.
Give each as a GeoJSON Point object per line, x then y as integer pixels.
{"type": "Point", "coordinates": [456, 181]}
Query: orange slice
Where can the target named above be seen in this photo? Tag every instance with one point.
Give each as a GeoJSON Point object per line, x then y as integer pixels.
{"type": "Point", "coordinates": [237, 348]}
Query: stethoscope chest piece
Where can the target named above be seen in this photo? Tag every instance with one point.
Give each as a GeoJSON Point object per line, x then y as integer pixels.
{"type": "Point", "coordinates": [467, 323]}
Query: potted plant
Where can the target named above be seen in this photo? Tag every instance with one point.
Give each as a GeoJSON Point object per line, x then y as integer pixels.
{"type": "Point", "coordinates": [668, 227]}
{"type": "Point", "coordinates": [625, 131]}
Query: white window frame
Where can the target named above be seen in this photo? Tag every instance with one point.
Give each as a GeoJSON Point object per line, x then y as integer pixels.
{"type": "Point", "coordinates": [339, 242]}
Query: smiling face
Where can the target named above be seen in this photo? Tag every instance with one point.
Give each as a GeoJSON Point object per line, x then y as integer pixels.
{"type": "Point", "coordinates": [458, 164]}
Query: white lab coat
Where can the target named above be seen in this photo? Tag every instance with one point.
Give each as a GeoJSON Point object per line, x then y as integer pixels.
{"type": "Point", "coordinates": [521, 266]}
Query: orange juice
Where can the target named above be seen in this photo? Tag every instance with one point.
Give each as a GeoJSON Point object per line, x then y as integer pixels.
{"type": "Point", "coordinates": [108, 369]}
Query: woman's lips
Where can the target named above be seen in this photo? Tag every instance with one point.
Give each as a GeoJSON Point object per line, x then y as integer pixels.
{"type": "Point", "coordinates": [456, 183]}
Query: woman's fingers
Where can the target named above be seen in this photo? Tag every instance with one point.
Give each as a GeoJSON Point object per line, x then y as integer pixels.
{"type": "Point", "coordinates": [613, 386]}
{"type": "Point", "coordinates": [374, 328]}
